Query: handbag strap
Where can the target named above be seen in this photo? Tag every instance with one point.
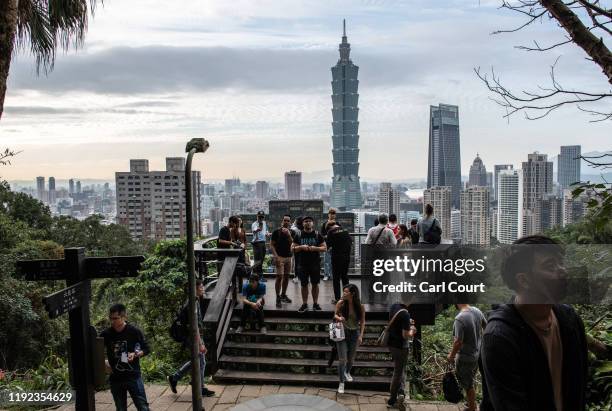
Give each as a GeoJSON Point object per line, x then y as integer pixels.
{"type": "Point", "coordinates": [393, 319]}
{"type": "Point", "coordinates": [379, 234]}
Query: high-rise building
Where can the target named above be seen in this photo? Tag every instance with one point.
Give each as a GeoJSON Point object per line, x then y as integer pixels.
{"type": "Point", "coordinates": [572, 208]}
{"type": "Point", "coordinates": [52, 193]}
{"type": "Point", "coordinates": [552, 211]}
{"type": "Point", "coordinates": [456, 226]}
{"type": "Point", "coordinates": [388, 199]}
{"type": "Point", "coordinates": [509, 206]}
{"type": "Point", "coordinates": [444, 164]}
{"type": "Point", "coordinates": [498, 168]}
{"type": "Point", "coordinates": [537, 180]}
{"type": "Point", "coordinates": [440, 199]}
{"type": "Point", "coordinates": [152, 204]}
{"type": "Point", "coordinates": [262, 189]}
{"type": "Point", "coordinates": [478, 173]}
{"type": "Point", "coordinates": [71, 186]}
{"type": "Point", "coordinates": [346, 189]}
{"type": "Point", "coordinates": [293, 185]}
{"type": "Point", "coordinates": [568, 166]}
{"type": "Point", "coordinates": [231, 185]}
{"type": "Point", "coordinates": [475, 216]}
{"type": "Point", "coordinates": [78, 187]}
{"type": "Point", "coordinates": [295, 208]}
{"type": "Point", "coordinates": [40, 189]}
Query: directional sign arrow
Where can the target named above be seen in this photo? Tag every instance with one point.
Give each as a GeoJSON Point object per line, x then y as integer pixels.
{"type": "Point", "coordinates": [64, 300]}
{"type": "Point", "coordinates": [42, 270]}
{"type": "Point", "coordinates": [109, 267]}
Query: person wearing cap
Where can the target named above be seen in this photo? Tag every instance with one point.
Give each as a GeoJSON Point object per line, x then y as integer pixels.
{"type": "Point", "coordinates": [260, 232]}
{"type": "Point", "coordinates": [308, 244]}
{"type": "Point", "coordinates": [253, 302]}
{"type": "Point", "coordinates": [327, 265]}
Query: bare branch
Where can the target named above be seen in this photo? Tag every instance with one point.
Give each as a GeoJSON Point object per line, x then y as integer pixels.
{"type": "Point", "coordinates": [539, 48]}
{"type": "Point", "coordinates": [592, 7]}
{"type": "Point", "coordinates": [6, 155]}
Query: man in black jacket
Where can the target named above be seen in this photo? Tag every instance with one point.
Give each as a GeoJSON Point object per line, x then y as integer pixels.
{"type": "Point", "coordinates": [340, 243]}
{"type": "Point", "coordinates": [534, 352]}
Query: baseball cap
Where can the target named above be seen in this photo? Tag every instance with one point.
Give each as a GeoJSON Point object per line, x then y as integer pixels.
{"type": "Point", "coordinates": [308, 218]}
{"type": "Point", "coordinates": [260, 213]}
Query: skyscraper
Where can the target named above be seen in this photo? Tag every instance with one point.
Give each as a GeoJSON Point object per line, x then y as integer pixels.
{"type": "Point", "coordinates": [568, 166]}
{"type": "Point", "coordinates": [498, 168]}
{"type": "Point", "coordinates": [71, 186]}
{"type": "Point", "coordinates": [261, 189]}
{"type": "Point", "coordinates": [537, 180]}
{"type": "Point", "coordinates": [78, 187]}
{"type": "Point", "coordinates": [293, 185]}
{"type": "Point", "coordinates": [509, 206]}
{"type": "Point", "coordinates": [444, 164]}
{"type": "Point", "coordinates": [478, 173]}
{"type": "Point", "coordinates": [346, 190]}
{"type": "Point", "coordinates": [440, 199]}
{"type": "Point", "coordinates": [52, 193]}
{"type": "Point", "coordinates": [475, 216]}
{"type": "Point", "coordinates": [388, 199]}
{"type": "Point", "coordinates": [40, 189]}
{"type": "Point", "coordinates": [231, 185]}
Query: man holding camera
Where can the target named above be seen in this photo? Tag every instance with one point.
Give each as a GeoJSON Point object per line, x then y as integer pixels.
{"type": "Point", "coordinates": [260, 232]}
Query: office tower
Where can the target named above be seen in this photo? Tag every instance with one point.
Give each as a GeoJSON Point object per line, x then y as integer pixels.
{"type": "Point", "coordinates": [40, 189]}
{"type": "Point", "coordinates": [498, 168]}
{"type": "Point", "coordinates": [440, 199]}
{"type": "Point", "coordinates": [318, 188]}
{"type": "Point", "coordinates": [293, 185]}
{"type": "Point", "coordinates": [235, 203]}
{"type": "Point", "coordinates": [78, 187]}
{"type": "Point", "coordinates": [444, 164]}
{"type": "Point", "coordinates": [475, 216]}
{"type": "Point", "coordinates": [71, 186]}
{"type": "Point", "coordinates": [152, 204]}
{"type": "Point", "coordinates": [456, 226]}
{"type": "Point", "coordinates": [478, 173]}
{"type": "Point", "coordinates": [295, 208]}
{"type": "Point", "coordinates": [388, 199]}
{"type": "Point", "coordinates": [573, 209]}
{"type": "Point", "coordinates": [509, 206]}
{"type": "Point", "coordinates": [537, 180]}
{"type": "Point", "coordinates": [232, 185]}
{"type": "Point", "coordinates": [346, 190]}
{"type": "Point", "coordinates": [261, 190]}
{"type": "Point", "coordinates": [552, 211]}
{"type": "Point", "coordinates": [52, 193]}
{"type": "Point", "coordinates": [568, 166]}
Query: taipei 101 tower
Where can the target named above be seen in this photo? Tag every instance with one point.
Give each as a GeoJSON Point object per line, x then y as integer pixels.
{"type": "Point", "coordinates": [346, 191]}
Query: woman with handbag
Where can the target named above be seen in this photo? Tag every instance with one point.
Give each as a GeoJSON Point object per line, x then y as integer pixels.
{"type": "Point", "coordinates": [351, 315]}
{"type": "Point", "coordinates": [397, 335]}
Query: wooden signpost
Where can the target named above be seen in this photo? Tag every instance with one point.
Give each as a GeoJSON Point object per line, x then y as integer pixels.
{"type": "Point", "coordinates": [78, 271]}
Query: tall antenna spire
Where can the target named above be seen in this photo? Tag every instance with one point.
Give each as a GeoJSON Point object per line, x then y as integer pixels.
{"type": "Point", "coordinates": [345, 47]}
{"type": "Point", "coordinates": [343, 27]}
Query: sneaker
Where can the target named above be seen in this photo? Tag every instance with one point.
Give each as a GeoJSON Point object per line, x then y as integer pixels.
{"type": "Point", "coordinates": [172, 381]}
{"type": "Point", "coordinates": [341, 388]}
{"type": "Point", "coordinates": [286, 299]}
{"type": "Point", "coordinates": [303, 308]}
{"type": "Point", "coordinates": [263, 330]}
{"type": "Point", "coordinates": [316, 307]}
{"type": "Point", "coordinates": [278, 301]}
{"type": "Point", "coordinates": [392, 403]}
{"type": "Point", "coordinates": [240, 330]}
{"type": "Point", "coordinates": [295, 279]}
{"type": "Point", "coordinates": [207, 393]}
{"type": "Point", "coordinates": [348, 377]}
{"type": "Point", "coordinates": [325, 278]}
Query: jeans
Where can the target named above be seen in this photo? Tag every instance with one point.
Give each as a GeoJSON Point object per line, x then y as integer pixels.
{"type": "Point", "coordinates": [340, 266]}
{"type": "Point", "coordinates": [398, 382]}
{"type": "Point", "coordinates": [187, 367]}
{"type": "Point", "coordinates": [346, 352]}
{"type": "Point", "coordinates": [327, 264]}
{"type": "Point", "coordinates": [119, 389]}
{"type": "Point", "coordinates": [246, 312]}
{"type": "Point", "coordinates": [259, 253]}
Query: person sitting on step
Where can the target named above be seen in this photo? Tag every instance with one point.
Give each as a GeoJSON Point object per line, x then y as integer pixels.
{"type": "Point", "coordinates": [253, 303]}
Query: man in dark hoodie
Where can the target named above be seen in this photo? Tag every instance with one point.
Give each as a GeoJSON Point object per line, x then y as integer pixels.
{"type": "Point", "coordinates": [534, 351]}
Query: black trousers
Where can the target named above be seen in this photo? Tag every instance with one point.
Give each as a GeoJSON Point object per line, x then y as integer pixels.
{"type": "Point", "coordinates": [259, 253]}
{"type": "Point", "coordinates": [340, 265]}
{"type": "Point", "coordinates": [248, 311]}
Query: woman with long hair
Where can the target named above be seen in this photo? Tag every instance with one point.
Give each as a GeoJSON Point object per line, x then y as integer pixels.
{"type": "Point", "coordinates": [351, 313]}
{"type": "Point", "coordinates": [404, 240]}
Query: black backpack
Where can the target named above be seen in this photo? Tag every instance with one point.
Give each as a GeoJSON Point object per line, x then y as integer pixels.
{"type": "Point", "coordinates": [450, 386]}
{"type": "Point", "coordinates": [434, 234]}
{"type": "Point", "coordinates": [180, 327]}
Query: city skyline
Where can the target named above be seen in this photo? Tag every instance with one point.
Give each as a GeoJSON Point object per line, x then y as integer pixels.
{"type": "Point", "coordinates": [150, 114]}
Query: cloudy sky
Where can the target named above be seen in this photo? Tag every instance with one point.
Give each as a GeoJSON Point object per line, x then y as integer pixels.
{"type": "Point", "coordinates": [253, 77]}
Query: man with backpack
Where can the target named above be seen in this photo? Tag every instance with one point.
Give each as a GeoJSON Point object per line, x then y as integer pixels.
{"type": "Point", "coordinates": [381, 234]}
{"type": "Point", "coordinates": [181, 327]}
{"type": "Point", "coordinates": [429, 228]}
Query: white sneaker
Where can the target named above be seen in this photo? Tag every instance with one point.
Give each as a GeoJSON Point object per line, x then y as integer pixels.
{"type": "Point", "coordinates": [325, 278]}
{"type": "Point", "coordinates": [341, 388]}
{"type": "Point", "coordinates": [239, 330]}
{"type": "Point", "coordinates": [295, 280]}
{"type": "Point", "coordinates": [348, 377]}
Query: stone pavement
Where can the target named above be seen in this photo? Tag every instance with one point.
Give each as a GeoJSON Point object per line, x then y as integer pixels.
{"type": "Point", "coordinates": [227, 396]}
